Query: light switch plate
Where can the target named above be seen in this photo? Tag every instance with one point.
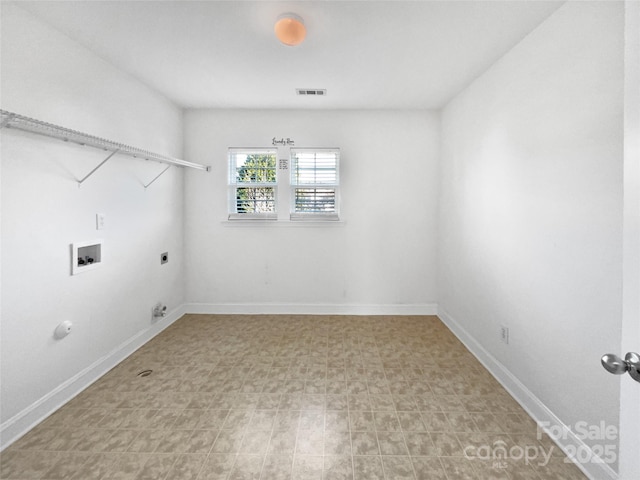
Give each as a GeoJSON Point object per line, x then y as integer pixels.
{"type": "Point", "coordinates": [100, 219]}
{"type": "Point", "coordinates": [504, 334]}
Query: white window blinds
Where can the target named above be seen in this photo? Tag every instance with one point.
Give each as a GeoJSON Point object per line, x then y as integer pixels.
{"type": "Point", "coordinates": [314, 184]}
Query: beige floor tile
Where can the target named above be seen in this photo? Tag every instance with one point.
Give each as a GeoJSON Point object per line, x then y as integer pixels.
{"type": "Point", "coordinates": [286, 397]}
{"type": "Point", "coordinates": [519, 469]}
{"type": "Point", "coordinates": [493, 469]}
{"type": "Point", "coordinates": [337, 467]}
{"type": "Point", "coordinates": [420, 444]}
{"type": "Point", "coordinates": [307, 467]}
{"type": "Point", "coordinates": [398, 468]}
{"type": "Point", "coordinates": [364, 443]}
{"type": "Point", "coordinates": [28, 464]}
{"type": "Point", "coordinates": [428, 468]}
{"type": "Point", "coordinates": [174, 441]}
{"type": "Point", "coordinates": [119, 441]}
{"type": "Point", "coordinates": [96, 467]}
{"type": "Point", "coordinates": [247, 467]}
{"type": "Point", "coordinates": [436, 422]}
{"type": "Point", "coordinates": [255, 443]}
{"type": "Point", "coordinates": [282, 442]}
{"type": "Point", "coordinates": [362, 421]}
{"type": "Point", "coordinates": [201, 441]}
{"type": "Point", "coordinates": [411, 422]}
{"type": "Point", "coordinates": [36, 439]}
{"type": "Point", "coordinates": [386, 421]}
{"type": "Point", "coordinates": [337, 443]}
{"type": "Point", "coordinates": [126, 466]}
{"type": "Point", "coordinates": [392, 443]}
{"type": "Point", "coordinates": [146, 441]}
{"type": "Point", "coordinates": [228, 441]}
{"type": "Point", "coordinates": [336, 402]}
{"type": "Point", "coordinates": [217, 467]}
{"type": "Point", "coordinates": [67, 465]}
{"type": "Point", "coordinates": [558, 468]}
{"type": "Point", "coordinates": [461, 422]}
{"type": "Point", "coordinates": [337, 421]}
{"type": "Point", "coordinates": [446, 444]}
{"type": "Point", "coordinates": [367, 468]}
{"type": "Point", "coordinates": [459, 468]}
{"type": "Point", "coordinates": [93, 440]}
{"type": "Point", "coordinates": [277, 467]}
{"type": "Point", "coordinates": [157, 467]}
{"type": "Point", "coordinates": [186, 467]}
{"type": "Point", "coordinates": [310, 442]}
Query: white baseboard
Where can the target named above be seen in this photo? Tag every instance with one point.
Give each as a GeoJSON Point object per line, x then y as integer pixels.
{"type": "Point", "coordinates": [15, 427]}
{"type": "Point", "coordinates": [311, 309]}
{"type": "Point", "coordinates": [534, 407]}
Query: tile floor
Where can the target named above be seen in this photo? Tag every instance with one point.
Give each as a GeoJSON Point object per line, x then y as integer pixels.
{"type": "Point", "coordinates": [267, 397]}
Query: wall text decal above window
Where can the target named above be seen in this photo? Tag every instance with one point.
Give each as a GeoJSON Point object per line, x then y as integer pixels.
{"type": "Point", "coordinates": [282, 141]}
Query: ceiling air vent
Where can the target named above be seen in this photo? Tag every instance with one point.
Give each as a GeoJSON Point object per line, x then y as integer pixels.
{"type": "Point", "coordinates": [310, 92]}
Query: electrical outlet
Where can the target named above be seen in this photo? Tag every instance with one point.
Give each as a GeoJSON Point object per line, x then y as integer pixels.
{"type": "Point", "coordinates": [504, 334]}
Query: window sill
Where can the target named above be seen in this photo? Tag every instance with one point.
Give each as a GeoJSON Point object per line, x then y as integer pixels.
{"type": "Point", "coordinates": [283, 223]}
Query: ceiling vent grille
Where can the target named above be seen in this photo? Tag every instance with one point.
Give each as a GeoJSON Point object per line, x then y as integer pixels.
{"type": "Point", "coordinates": [311, 92]}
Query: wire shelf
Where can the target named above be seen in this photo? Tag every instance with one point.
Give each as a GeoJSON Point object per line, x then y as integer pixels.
{"type": "Point", "coordinates": [20, 122]}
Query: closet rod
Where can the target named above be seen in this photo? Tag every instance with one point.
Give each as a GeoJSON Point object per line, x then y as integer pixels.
{"type": "Point", "coordinates": [19, 122]}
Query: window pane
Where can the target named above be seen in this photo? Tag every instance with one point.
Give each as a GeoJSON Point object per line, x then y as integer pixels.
{"type": "Point", "coordinates": [255, 200]}
{"type": "Point", "coordinates": [315, 200]}
{"type": "Point", "coordinates": [312, 168]}
{"type": "Point", "coordinates": [259, 167]}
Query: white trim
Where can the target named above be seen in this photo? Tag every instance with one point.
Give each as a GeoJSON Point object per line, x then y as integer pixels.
{"type": "Point", "coordinates": [266, 223]}
{"type": "Point", "coordinates": [532, 404]}
{"type": "Point", "coordinates": [314, 217]}
{"type": "Point", "coordinates": [253, 217]}
{"type": "Point", "coordinates": [629, 466]}
{"type": "Point", "coordinates": [22, 422]}
{"type": "Point", "coordinates": [311, 309]}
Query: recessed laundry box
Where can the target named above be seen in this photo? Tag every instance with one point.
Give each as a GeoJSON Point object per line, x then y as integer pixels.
{"type": "Point", "coordinates": [85, 256]}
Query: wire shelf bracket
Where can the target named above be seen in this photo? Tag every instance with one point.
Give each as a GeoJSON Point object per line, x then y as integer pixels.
{"type": "Point", "coordinates": [26, 124]}
{"type": "Point", "coordinates": [80, 182]}
{"type": "Point", "coordinates": [157, 176]}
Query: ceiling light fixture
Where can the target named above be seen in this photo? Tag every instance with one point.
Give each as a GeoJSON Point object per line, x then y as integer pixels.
{"type": "Point", "coordinates": [290, 29]}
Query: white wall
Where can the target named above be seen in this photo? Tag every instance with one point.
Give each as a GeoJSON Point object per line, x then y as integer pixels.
{"type": "Point", "coordinates": [381, 259]}
{"type": "Point", "coordinates": [528, 232]}
{"type": "Point", "coordinates": [531, 211]}
{"type": "Point", "coordinates": [47, 76]}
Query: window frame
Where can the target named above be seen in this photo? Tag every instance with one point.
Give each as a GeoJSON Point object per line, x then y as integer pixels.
{"type": "Point", "coordinates": [234, 185]}
{"type": "Point", "coordinates": [284, 188]}
{"type": "Point", "coordinates": [295, 185]}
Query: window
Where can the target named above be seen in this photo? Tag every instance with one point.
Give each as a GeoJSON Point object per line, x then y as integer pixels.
{"type": "Point", "coordinates": [314, 184]}
{"type": "Point", "coordinates": [283, 184]}
{"type": "Point", "coordinates": [252, 183]}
